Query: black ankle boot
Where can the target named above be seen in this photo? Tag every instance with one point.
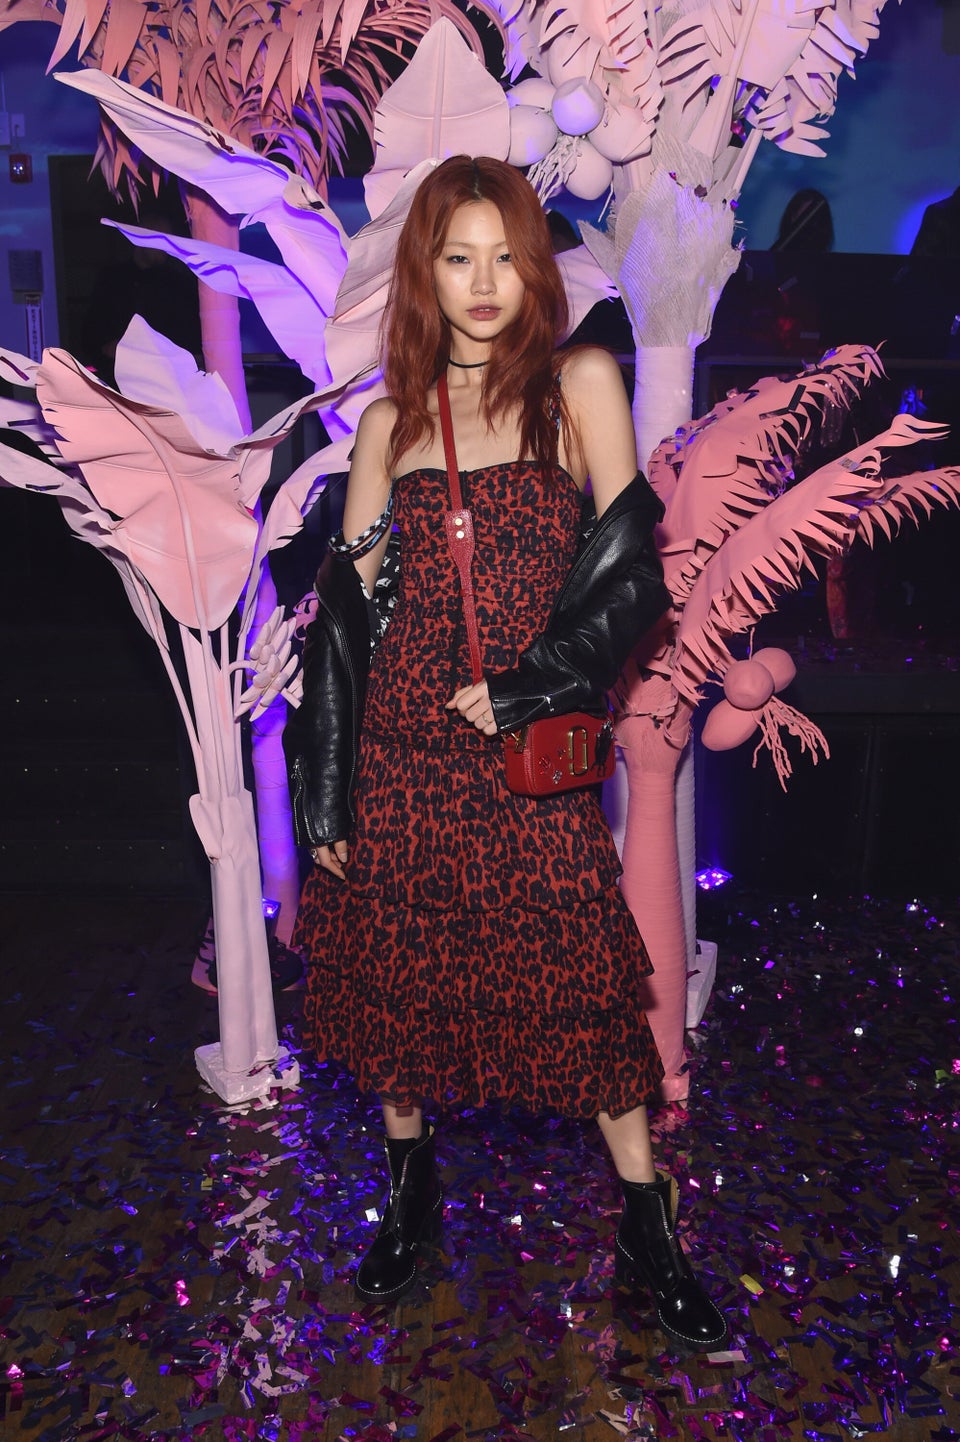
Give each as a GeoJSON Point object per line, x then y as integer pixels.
{"type": "Point", "coordinates": [647, 1250]}
{"type": "Point", "coordinates": [413, 1212]}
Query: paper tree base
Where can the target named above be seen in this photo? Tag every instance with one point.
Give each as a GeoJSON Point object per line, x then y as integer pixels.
{"type": "Point", "coordinates": [235, 1087]}
{"type": "Point", "coordinates": [700, 982]}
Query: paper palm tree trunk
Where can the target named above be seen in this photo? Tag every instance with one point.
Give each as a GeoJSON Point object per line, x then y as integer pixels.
{"type": "Point", "coordinates": [663, 401]}
{"type": "Point", "coordinates": [222, 352]}
{"type": "Point", "coordinates": [651, 885]}
{"type": "Point", "coordinates": [674, 258]}
{"type": "Point", "coordinates": [662, 394]}
{"type": "Point", "coordinates": [659, 844]}
{"type": "Point", "coordinates": [219, 313]}
{"type": "Point", "coordinates": [222, 812]}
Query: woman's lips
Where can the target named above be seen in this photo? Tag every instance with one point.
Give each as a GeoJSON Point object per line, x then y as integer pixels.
{"type": "Point", "coordinates": [484, 312]}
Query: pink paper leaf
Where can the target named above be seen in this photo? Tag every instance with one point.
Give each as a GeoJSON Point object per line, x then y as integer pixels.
{"type": "Point", "coordinates": [18, 370]}
{"type": "Point", "coordinates": [372, 249]}
{"type": "Point", "coordinates": [74, 15]}
{"type": "Point", "coordinates": [351, 15]}
{"type": "Point", "coordinates": [125, 21]}
{"type": "Point", "coordinates": [89, 521]}
{"type": "Point", "coordinates": [722, 463]}
{"type": "Point", "coordinates": [304, 43]}
{"type": "Point", "coordinates": [293, 499]}
{"type": "Point", "coordinates": [155, 371]}
{"type": "Point", "coordinates": [27, 472]}
{"type": "Point", "coordinates": [444, 103]}
{"type": "Point", "coordinates": [585, 283]}
{"type": "Point", "coordinates": [26, 419]}
{"type": "Point", "coordinates": [906, 499]}
{"type": "Point", "coordinates": [278, 44]}
{"type": "Point", "coordinates": [178, 518]}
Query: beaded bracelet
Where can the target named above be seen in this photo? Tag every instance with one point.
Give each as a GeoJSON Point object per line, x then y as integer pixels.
{"type": "Point", "coordinates": [367, 539]}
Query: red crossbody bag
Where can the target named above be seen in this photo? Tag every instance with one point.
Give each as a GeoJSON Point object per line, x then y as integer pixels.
{"type": "Point", "coordinates": [555, 753]}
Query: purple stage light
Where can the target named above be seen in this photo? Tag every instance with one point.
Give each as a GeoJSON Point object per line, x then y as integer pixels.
{"type": "Point", "coordinates": [712, 877]}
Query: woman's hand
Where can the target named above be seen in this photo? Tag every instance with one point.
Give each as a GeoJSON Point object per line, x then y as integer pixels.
{"type": "Point", "coordinates": [473, 703]}
{"type": "Point", "coordinates": [332, 858]}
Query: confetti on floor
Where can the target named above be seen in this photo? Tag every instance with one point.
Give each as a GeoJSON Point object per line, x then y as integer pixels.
{"type": "Point", "coordinates": [175, 1269]}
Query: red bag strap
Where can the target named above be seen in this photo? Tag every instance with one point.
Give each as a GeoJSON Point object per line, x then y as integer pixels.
{"type": "Point", "coordinates": [458, 524]}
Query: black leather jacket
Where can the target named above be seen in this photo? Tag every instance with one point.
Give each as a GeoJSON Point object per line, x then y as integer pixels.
{"type": "Point", "coordinates": [611, 596]}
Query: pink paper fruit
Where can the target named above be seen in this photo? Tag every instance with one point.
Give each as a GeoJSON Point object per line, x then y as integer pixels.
{"type": "Point", "coordinates": [748, 685]}
{"type": "Point", "coordinates": [726, 727]}
{"type": "Point", "coordinates": [779, 663]}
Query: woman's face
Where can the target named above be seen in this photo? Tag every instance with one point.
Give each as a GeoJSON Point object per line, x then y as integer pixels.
{"type": "Point", "coordinates": [477, 287]}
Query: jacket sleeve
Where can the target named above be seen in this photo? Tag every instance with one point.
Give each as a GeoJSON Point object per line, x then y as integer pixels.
{"type": "Point", "coordinates": [612, 596]}
{"type": "Point", "coordinates": [320, 738]}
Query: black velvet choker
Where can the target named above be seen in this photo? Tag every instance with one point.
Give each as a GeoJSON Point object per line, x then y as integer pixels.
{"type": "Point", "coordinates": [467, 365]}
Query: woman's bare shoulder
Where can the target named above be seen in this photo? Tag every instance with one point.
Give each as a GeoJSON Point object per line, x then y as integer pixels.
{"type": "Point", "coordinates": [378, 419]}
{"type": "Point", "coordinates": [371, 445]}
{"type": "Point", "coordinates": [585, 368]}
{"type": "Point", "coordinates": [599, 410]}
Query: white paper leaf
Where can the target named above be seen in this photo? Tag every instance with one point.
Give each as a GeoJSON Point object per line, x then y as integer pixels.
{"type": "Point", "coordinates": [17, 369]}
{"type": "Point", "coordinates": [310, 239]}
{"type": "Point", "coordinates": [239, 180]}
{"type": "Point", "coordinates": [584, 282]}
{"type": "Point", "coordinates": [153, 370]}
{"type": "Point", "coordinates": [288, 309]}
{"type": "Point", "coordinates": [445, 103]}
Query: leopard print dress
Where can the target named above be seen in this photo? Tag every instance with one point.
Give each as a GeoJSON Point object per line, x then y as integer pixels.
{"type": "Point", "coordinates": [480, 948]}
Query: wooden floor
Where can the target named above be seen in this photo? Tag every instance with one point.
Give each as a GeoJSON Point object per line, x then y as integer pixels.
{"type": "Point", "coordinates": [172, 1270]}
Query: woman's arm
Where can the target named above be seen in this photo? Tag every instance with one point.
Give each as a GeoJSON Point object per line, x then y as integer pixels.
{"type": "Point", "coordinates": [602, 439]}
{"type": "Point", "coordinates": [612, 596]}
{"type": "Point", "coordinates": [368, 485]}
{"type": "Point", "coordinates": [321, 736]}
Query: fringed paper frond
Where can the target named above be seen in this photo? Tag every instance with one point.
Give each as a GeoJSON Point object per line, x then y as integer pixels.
{"type": "Point", "coordinates": [289, 78]}
{"type": "Point", "coordinates": [520, 22]}
{"type": "Point", "coordinates": [730, 464]}
{"type": "Point", "coordinates": [599, 39]}
{"type": "Point", "coordinates": [741, 581]}
{"type": "Point", "coordinates": [700, 45]}
{"type": "Point", "coordinates": [808, 90]}
{"type": "Point", "coordinates": [909, 498]}
{"type": "Point", "coordinates": [782, 62]}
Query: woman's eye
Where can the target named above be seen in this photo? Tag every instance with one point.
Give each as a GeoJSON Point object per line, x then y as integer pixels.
{"type": "Point", "coordinates": [457, 259]}
{"type": "Point", "coordinates": [506, 257]}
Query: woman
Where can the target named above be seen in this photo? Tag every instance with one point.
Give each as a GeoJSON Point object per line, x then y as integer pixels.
{"type": "Point", "coordinates": [468, 943]}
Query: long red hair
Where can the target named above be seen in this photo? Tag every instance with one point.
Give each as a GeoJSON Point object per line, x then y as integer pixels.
{"type": "Point", "coordinates": [416, 337]}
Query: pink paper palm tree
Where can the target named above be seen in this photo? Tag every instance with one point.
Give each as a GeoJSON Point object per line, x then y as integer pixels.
{"type": "Point", "coordinates": [735, 537]}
